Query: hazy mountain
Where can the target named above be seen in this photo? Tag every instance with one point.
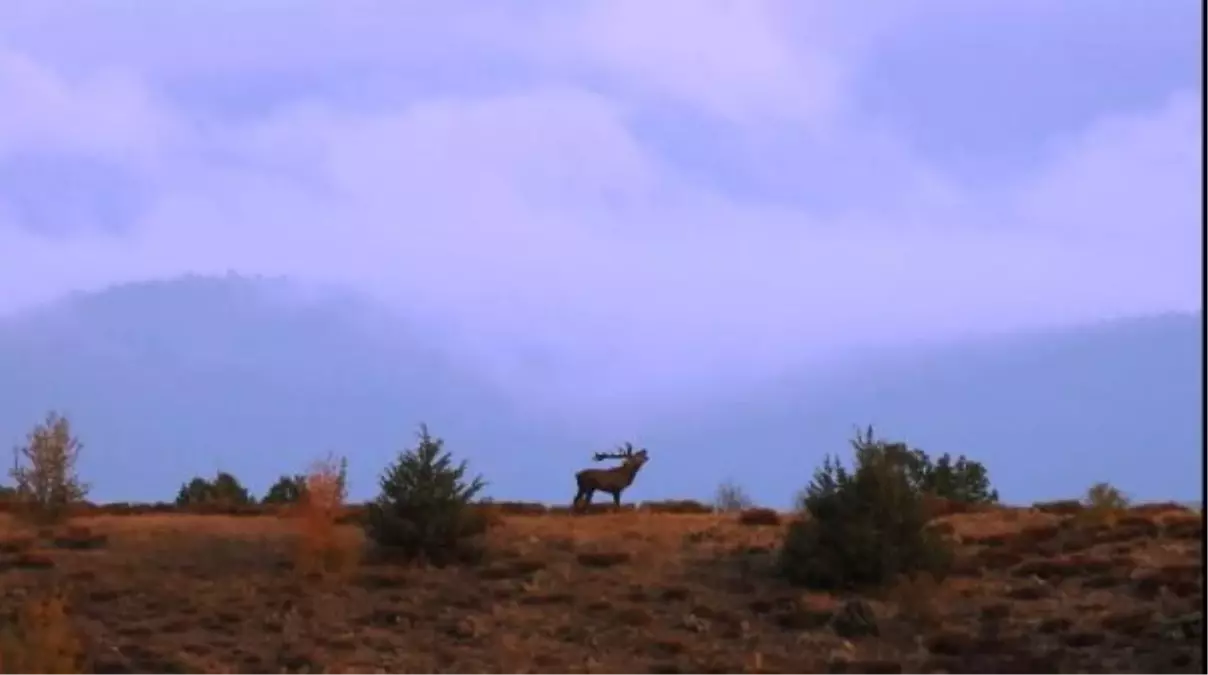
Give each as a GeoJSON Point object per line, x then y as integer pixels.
{"type": "Point", "coordinates": [1048, 412]}
{"type": "Point", "coordinates": [169, 379]}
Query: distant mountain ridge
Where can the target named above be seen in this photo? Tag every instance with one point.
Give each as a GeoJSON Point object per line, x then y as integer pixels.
{"type": "Point", "coordinates": [166, 380]}
{"type": "Point", "coordinates": [1050, 412]}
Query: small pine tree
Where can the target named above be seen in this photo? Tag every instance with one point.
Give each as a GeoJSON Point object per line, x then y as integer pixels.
{"type": "Point", "coordinates": [44, 471]}
{"type": "Point", "coordinates": [423, 511]}
{"type": "Point", "coordinates": [730, 498]}
{"type": "Point", "coordinates": [862, 527]}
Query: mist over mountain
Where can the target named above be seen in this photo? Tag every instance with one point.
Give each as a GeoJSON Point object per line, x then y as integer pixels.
{"type": "Point", "coordinates": [166, 380]}
{"type": "Point", "coordinates": [1048, 412]}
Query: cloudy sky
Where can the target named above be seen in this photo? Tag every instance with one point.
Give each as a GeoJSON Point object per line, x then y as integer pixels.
{"type": "Point", "coordinates": [646, 189]}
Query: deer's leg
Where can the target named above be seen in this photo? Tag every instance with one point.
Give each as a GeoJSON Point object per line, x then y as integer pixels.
{"type": "Point", "coordinates": [616, 500]}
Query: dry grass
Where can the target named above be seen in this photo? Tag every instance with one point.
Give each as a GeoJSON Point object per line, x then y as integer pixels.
{"type": "Point", "coordinates": [630, 592]}
{"type": "Point", "coordinates": [41, 637]}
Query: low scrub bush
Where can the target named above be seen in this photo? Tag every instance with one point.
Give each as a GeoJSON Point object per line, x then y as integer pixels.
{"type": "Point", "coordinates": [424, 510]}
{"type": "Point", "coordinates": [1105, 496]}
{"type": "Point", "coordinates": [730, 498]}
{"type": "Point", "coordinates": [1060, 507]}
{"type": "Point", "coordinates": [865, 526]}
{"type": "Point", "coordinates": [759, 516]}
{"type": "Point", "coordinates": [679, 506]}
{"type": "Point", "coordinates": [1104, 504]}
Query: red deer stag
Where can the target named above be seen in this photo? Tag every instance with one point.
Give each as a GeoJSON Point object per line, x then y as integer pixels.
{"type": "Point", "coordinates": [613, 480]}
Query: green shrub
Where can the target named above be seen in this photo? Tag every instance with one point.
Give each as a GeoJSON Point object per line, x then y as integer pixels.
{"type": "Point", "coordinates": [730, 498]}
{"type": "Point", "coordinates": [862, 527]}
{"type": "Point", "coordinates": [961, 480]}
{"type": "Point", "coordinates": [423, 511]}
{"type": "Point", "coordinates": [45, 483]}
{"type": "Point", "coordinates": [224, 490]}
{"type": "Point", "coordinates": [228, 490]}
{"type": "Point", "coordinates": [287, 490]}
{"type": "Point", "coordinates": [196, 491]}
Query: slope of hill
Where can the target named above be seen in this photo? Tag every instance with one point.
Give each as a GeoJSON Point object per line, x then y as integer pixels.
{"type": "Point", "coordinates": [626, 593]}
{"type": "Point", "coordinates": [167, 380]}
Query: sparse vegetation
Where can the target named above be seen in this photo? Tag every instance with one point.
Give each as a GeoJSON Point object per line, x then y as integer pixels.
{"type": "Point", "coordinates": [423, 511]}
{"type": "Point", "coordinates": [45, 483]}
{"type": "Point", "coordinates": [862, 527]}
{"type": "Point", "coordinates": [695, 586]}
{"type": "Point", "coordinates": [731, 498]}
{"type": "Point", "coordinates": [638, 592]}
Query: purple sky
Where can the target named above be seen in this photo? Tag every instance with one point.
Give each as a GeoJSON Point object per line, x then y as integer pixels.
{"type": "Point", "coordinates": [659, 193]}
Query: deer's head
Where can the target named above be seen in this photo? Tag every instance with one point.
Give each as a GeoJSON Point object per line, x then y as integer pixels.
{"type": "Point", "coordinates": [629, 456]}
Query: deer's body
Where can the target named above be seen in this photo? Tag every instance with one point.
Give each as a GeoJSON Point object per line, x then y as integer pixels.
{"type": "Point", "coordinates": [613, 481]}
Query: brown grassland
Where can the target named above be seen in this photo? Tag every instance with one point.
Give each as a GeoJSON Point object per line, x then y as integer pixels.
{"type": "Point", "coordinates": [627, 592]}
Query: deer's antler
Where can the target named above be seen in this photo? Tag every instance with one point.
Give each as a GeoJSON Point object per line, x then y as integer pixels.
{"type": "Point", "coordinates": [623, 452]}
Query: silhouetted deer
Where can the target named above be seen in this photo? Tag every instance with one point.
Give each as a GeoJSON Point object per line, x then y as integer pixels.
{"type": "Point", "coordinates": [614, 480]}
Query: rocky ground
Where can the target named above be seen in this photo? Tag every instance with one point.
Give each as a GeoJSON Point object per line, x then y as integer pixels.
{"type": "Point", "coordinates": [632, 592]}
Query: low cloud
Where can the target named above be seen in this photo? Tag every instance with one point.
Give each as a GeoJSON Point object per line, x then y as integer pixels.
{"type": "Point", "coordinates": [555, 213]}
